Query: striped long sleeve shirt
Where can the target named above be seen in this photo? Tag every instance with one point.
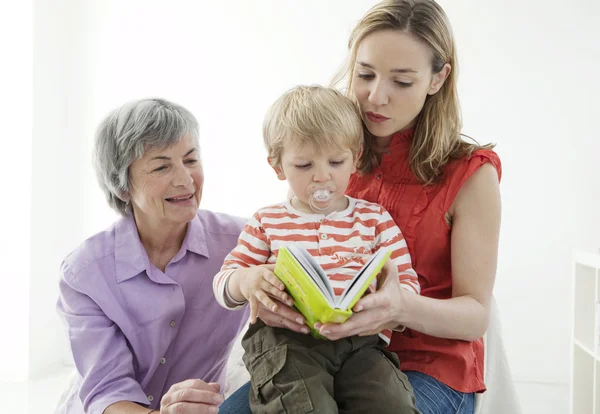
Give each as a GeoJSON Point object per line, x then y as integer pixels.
{"type": "Point", "coordinates": [341, 243]}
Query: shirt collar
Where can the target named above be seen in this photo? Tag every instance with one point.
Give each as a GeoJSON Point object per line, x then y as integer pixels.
{"type": "Point", "coordinates": [130, 256]}
{"type": "Point", "coordinates": [401, 139]}
{"type": "Point", "coordinates": [195, 238]}
{"type": "Point", "coordinates": [317, 216]}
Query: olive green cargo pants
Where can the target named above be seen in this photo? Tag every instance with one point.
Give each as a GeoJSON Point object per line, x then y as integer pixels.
{"type": "Point", "coordinates": [296, 373]}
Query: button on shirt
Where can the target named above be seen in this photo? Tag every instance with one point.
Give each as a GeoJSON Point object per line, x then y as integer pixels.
{"type": "Point", "coordinates": [134, 330]}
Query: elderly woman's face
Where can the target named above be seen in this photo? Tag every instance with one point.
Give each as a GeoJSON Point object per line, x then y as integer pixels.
{"type": "Point", "coordinates": [166, 183]}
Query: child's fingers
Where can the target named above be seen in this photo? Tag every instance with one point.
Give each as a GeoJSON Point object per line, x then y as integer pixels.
{"type": "Point", "coordinates": [274, 292]}
{"type": "Point", "coordinates": [273, 280]}
{"type": "Point", "coordinates": [266, 300]}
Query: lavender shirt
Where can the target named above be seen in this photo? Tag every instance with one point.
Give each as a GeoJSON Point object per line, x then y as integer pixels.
{"type": "Point", "coordinates": [134, 330]}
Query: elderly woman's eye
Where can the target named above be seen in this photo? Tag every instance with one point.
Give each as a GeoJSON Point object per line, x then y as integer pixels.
{"type": "Point", "coordinates": [191, 162]}
{"type": "Point", "coordinates": [164, 167]}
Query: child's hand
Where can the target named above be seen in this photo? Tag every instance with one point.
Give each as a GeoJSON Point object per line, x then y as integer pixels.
{"type": "Point", "coordinates": [258, 284]}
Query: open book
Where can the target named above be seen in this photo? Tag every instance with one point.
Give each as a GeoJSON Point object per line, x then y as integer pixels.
{"type": "Point", "coordinates": [313, 294]}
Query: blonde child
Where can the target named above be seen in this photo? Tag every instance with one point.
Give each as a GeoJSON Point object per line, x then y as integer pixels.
{"type": "Point", "coordinates": [314, 138]}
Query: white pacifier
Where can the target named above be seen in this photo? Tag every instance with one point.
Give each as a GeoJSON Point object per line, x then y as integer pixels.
{"type": "Point", "coordinates": [321, 199]}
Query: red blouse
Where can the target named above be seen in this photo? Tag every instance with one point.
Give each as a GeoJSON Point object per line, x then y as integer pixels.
{"type": "Point", "coordinates": [419, 212]}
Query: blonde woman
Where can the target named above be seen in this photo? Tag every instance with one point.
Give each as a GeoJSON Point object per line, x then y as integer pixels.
{"type": "Point", "coordinates": [440, 189]}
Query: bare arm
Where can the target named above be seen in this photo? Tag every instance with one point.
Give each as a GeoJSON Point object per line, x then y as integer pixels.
{"type": "Point", "coordinates": [474, 245]}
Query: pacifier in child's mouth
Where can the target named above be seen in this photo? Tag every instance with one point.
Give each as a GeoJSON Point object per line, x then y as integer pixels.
{"type": "Point", "coordinates": [321, 198]}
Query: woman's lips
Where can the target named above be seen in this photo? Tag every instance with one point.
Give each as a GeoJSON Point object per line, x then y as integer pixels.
{"type": "Point", "coordinates": [179, 199]}
{"type": "Point", "coordinates": [377, 118]}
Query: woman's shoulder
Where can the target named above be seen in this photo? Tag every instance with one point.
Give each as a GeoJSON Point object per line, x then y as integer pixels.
{"type": "Point", "coordinates": [459, 170]}
{"type": "Point", "coordinates": [464, 167]}
{"type": "Point", "coordinates": [483, 156]}
{"type": "Point", "coordinates": [99, 247]}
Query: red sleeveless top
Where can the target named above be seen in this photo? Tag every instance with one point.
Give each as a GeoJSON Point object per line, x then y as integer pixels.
{"type": "Point", "coordinates": [419, 212]}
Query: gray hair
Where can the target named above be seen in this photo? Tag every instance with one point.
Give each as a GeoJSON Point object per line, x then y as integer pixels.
{"type": "Point", "coordinates": [127, 133]}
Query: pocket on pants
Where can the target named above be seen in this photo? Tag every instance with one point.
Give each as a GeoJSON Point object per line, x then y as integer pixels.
{"type": "Point", "coordinates": [276, 384]}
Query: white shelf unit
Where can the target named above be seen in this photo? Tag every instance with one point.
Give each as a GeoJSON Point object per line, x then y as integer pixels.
{"type": "Point", "coordinates": [585, 349]}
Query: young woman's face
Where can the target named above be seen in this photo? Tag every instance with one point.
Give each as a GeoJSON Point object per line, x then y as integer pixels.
{"type": "Point", "coordinates": [392, 77]}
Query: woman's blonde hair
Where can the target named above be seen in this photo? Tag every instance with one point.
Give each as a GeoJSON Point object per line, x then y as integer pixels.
{"type": "Point", "coordinates": [312, 115]}
{"type": "Point", "coordinates": [437, 134]}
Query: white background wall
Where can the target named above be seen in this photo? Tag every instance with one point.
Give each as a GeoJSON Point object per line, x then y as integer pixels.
{"type": "Point", "coordinates": [527, 82]}
{"type": "Point", "coordinates": [15, 189]}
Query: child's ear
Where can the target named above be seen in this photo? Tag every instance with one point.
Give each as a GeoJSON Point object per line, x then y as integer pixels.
{"type": "Point", "coordinates": [278, 170]}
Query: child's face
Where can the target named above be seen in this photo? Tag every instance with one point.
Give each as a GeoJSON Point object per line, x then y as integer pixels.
{"type": "Point", "coordinates": [307, 169]}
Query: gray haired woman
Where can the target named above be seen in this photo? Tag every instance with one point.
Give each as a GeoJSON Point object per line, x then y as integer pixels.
{"type": "Point", "coordinates": [146, 333]}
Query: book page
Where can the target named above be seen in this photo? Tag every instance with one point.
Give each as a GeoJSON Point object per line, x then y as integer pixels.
{"type": "Point", "coordinates": [315, 271]}
{"type": "Point", "coordinates": [355, 285]}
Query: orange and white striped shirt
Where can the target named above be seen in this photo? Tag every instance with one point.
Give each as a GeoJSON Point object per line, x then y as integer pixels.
{"type": "Point", "coordinates": [341, 243]}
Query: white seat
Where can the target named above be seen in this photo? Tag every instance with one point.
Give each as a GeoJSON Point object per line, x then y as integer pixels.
{"type": "Point", "coordinates": [501, 396]}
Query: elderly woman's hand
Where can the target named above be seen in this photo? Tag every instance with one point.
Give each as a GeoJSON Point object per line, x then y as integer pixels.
{"type": "Point", "coordinates": [374, 312]}
{"type": "Point", "coordinates": [285, 317]}
{"type": "Point", "coordinates": [192, 396]}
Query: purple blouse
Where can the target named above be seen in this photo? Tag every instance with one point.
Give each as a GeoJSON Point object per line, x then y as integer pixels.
{"type": "Point", "coordinates": [134, 330]}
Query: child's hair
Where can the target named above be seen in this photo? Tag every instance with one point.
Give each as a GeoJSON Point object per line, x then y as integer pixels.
{"type": "Point", "coordinates": [312, 115]}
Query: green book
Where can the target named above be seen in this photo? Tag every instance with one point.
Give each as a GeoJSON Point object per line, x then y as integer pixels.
{"type": "Point", "coordinates": [311, 289]}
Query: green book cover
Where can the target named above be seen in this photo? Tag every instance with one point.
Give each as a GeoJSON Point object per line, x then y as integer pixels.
{"type": "Point", "coordinates": [313, 295]}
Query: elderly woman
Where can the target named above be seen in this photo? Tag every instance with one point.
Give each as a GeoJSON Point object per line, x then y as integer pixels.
{"type": "Point", "coordinates": [145, 330]}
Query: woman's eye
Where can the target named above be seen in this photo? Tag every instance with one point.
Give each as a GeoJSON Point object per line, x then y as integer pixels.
{"type": "Point", "coordinates": [191, 162]}
{"type": "Point", "coordinates": [403, 84]}
{"type": "Point", "coordinates": [160, 169]}
{"type": "Point", "coordinates": [366, 76]}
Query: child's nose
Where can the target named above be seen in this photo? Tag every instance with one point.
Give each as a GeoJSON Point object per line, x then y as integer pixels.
{"type": "Point", "coordinates": [321, 175]}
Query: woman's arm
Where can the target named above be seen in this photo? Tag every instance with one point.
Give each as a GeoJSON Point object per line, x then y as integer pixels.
{"type": "Point", "coordinates": [99, 349]}
{"type": "Point", "coordinates": [474, 245]}
{"type": "Point", "coordinates": [105, 362]}
{"type": "Point", "coordinates": [190, 396]}
{"type": "Point", "coordinates": [126, 407]}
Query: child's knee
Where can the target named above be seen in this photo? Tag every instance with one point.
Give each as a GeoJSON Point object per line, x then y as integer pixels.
{"type": "Point", "coordinates": [277, 385]}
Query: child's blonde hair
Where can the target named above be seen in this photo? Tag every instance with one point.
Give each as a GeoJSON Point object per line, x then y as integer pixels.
{"type": "Point", "coordinates": [312, 115]}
